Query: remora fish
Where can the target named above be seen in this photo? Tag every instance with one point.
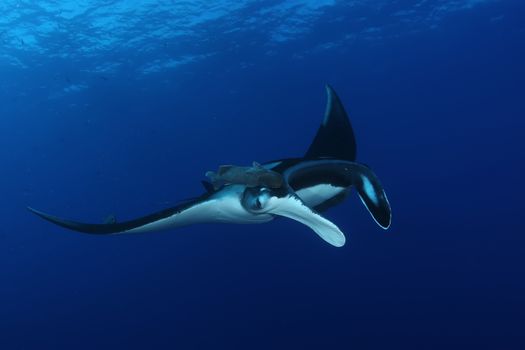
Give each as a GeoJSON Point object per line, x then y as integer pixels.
{"type": "Point", "coordinates": [253, 176]}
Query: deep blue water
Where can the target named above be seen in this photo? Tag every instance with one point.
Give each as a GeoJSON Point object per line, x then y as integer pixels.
{"type": "Point", "coordinates": [122, 106]}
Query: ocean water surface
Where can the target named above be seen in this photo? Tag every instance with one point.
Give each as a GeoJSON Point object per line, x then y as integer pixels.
{"type": "Point", "coordinates": [120, 107]}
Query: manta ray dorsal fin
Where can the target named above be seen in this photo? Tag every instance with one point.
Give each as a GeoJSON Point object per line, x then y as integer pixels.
{"type": "Point", "coordinates": [294, 208]}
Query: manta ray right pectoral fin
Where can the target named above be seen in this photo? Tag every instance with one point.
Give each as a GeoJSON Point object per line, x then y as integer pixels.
{"type": "Point", "coordinates": [372, 195]}
{"type": "Point", "coordinates": [294, 208]}
{"type": "Point", "coordinates": [335, 137]}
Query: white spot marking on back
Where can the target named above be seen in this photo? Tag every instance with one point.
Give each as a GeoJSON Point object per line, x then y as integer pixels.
{"type": "Point", "coordinates": [315, 195]}
{"type": "Point", "coordinates": [369, 190]}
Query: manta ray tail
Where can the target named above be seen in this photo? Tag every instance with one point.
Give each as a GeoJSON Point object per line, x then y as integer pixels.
{"type": "Point", "coordinates": [335, 137]}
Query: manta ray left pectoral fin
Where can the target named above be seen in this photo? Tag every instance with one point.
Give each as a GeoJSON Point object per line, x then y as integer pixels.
{"type": "Point", "coordinates": [105, 228]}
{"type": "Point", "coordinates": [294, 208]}
{"type": "Point", "coordinates": [188, 212]}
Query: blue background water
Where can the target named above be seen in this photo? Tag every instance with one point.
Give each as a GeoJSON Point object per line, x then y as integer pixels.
{"type": "Point", "coordinates": [121, 106]}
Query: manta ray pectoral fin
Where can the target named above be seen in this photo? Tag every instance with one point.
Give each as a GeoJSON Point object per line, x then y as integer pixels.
{"type": "Point", "coordinates": [188, 212]}
{"type": "Point", "coordinates": [106, 228]}
{"type": "Point", "coordinates": [294, 208]}
{"type": "Point", "coordinates": [335, 137]}
{"type": "Point", "coordinates": [372, 195]}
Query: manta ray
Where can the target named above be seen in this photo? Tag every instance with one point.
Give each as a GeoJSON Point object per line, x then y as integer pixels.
{"type": "Point", "coordinates": [320, 179]}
